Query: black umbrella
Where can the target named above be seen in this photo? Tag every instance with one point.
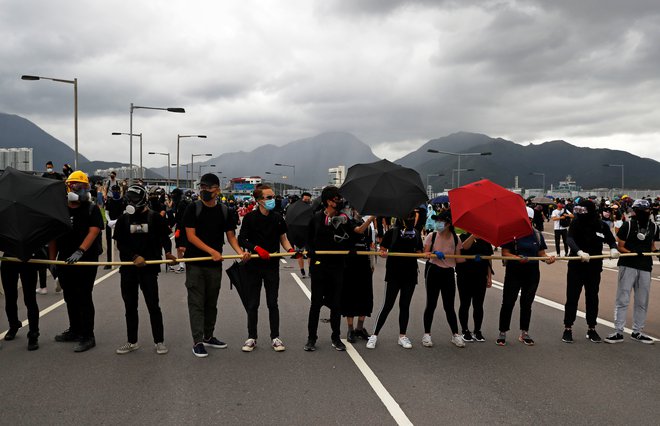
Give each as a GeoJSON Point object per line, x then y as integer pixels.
{"type": "Point", "coordinates": [297, 220]}
{"type": "Point", "coordinates": [383, 189]}
{"type": "Point", "coordinates": [33, 211]}
{"type": "Point", "coordinates": [238, 278]}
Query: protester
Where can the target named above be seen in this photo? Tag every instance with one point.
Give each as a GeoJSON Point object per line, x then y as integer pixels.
{"type": "Point", "coordinates": [586, 236]}
{"type": "Point", "coordinates": [561, 218]}
{"type": "Point", "coordinates": [141, 234]}
{"type": "Point", "coordinates": [10, 272]}
{"type": "Point", "coordinates": [521, 276]}
{"type": "Point", "coordinates": [181, 202]}
{"type": "Point", "coordinates": [114, 207]}
{"type": "Point", "coordinates": [51, 173]}
{"type": "Point", "coordinates": [306, 198]}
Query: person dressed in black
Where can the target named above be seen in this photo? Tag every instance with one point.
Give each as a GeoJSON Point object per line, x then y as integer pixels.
{"type": "Point", "coordinates": [10, 272]}
{"type": "Point", "coordinates": [262, 232]}
{"type": "Point", "coordinates": [328, 230]}
{"type": "Point", "coordinates": [181, 201]}
{"type": "Point", "coordinates": [114, 207]}
{"type": "Point", "coordinates": [83, 242]}
{"type": "Point", "coordinates": [141, 234]}
{"type": "Point", "coordinates": [50, 172]}
{"type": "Point", "coordinates": [586, 236]}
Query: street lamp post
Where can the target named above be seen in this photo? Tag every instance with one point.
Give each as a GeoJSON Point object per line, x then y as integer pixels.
{"type": "Point", "coordinates": [168, 165]}
{"type": "Point", "coordinates": [178, 141]}
{"type": "Point", "coordinates": [540, 174]}
{"type": "Point", "coordinates": [622, 172]}
{"type": "Point", "coordinates": [75, 108]}
{"type": "Point", "coordinates": [289, 165]}
{"type": "Point", "coordinates": [192, 166]}
{"type": "Point", "coordinates": [458, 173]}
{"type": "Point", "coordinates": [131, 155]}
{"type": "Point", "coordinates": [459, 155]}
{"type": "Point", "coordinates": [428, 176]}
{"type": "Point", "coordinates": [130, 132]}
{"type": "Point", "coordinates": [187, 171]}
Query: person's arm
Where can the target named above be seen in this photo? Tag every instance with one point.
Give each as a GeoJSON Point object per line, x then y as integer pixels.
{"type": "Point", "coordinates": [363, 228]}
{"type": "Point", "coordinates": [89, 239]}
{"type": "Point", "coordinates": [469, 241]}
{"type": "Point", "coordinates": [233, 242]}
{"type": "Point", "coordinates": [549, 260]}
{"type": "Point", "coordinates": [52, 250]}
{"type": "Point", "coordinates": [197, 242]}
{"type": "Point", "coordinates": [244, 234]}
{"type": "Point", "coordinates": [284, 242]}
{"type": "Point", "coordinates": [555, 217]}
{"type": "Point", "coordinates": [570, 239]}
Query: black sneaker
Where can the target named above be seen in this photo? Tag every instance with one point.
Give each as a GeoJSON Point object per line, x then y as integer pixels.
{"type": "Point", "coordinates": [501, 339]}
{"type": "Point", "coordinates": [199, 350]}
{"type": "Point", "coordinates": [467, 336]}
{"type": "Point", "coordinates": [350, 336]}
{"type": "Point", "coordinates": [639, 337]}
{"type": "Point", "coordinates": [33, 341]}
{"type": "Point", "coordinates": [567, 337]}
{"type": "Point", "coordinates": [67, 336]}
{"type": "Point", "coordinates": [302, 273]}
{"type": "Point", "coordinates": [310, 346]}
{"type": "Point", "coordinates": [85, 345]}
{"type": "Point", "coordinates": [479, 337]}
{"type": "Point", "coordinates": [11, 333]}
{"type": "Point", "coordinates": [362, 334]}
{"type": "Point", "coordinates": [593, 336]}
{"type": "Point", "coordinates": [214, 343]}
{"type": "Point", "coordinates": [525, 339]}
{"type": "Point", "coordinates": [338, 344]}
{"type": "Point", "coordinates": [614, 338]}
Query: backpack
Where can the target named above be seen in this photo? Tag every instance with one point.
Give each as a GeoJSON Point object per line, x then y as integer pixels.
{"type": "Point", "coordinates": [565, 222]}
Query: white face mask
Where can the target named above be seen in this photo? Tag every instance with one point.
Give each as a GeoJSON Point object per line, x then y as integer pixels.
{"type": "Point", "coordinates": [439, 226]}
{"type": "Point", "coordinates": [49, 170]}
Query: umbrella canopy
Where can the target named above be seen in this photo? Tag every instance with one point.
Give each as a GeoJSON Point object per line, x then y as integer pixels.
{"type": "Point", "coordinates": [237, 278]}
{"type": "Point", "coordinates": [440, 199]}
{"type": "Point", "coordinates": [495, 214]}
{"type": "Point", "coordinates": [33, 211]}
{"type": "Point", "coordinates": [297, 219]}
{"type": "Point", "coordinates": [383, 189]}
{"type": "Point", "coordinates": [542, 200]}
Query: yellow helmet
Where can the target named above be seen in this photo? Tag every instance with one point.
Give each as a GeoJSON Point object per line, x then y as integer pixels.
{"type": "Point", "coordinates": [78, 176]}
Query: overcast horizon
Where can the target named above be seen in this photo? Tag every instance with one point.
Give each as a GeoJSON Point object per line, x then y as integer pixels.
{"type": "Point", "coordinates": [394, 74]}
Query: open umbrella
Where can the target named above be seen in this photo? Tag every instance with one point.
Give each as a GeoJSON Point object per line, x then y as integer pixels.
{"type": "Point", "coordinates": [542, 200]}
{"type": "Point", "coordinates": [33, 211]}
{"type": "Point", "coordinates": [297, 220]}
{"type": "Point", "coordinates": [237, 279]}
{"type": "Point", "coordinates": [495, 214]}
{"type": "Point", "coordinates": [440, 199]}
{"type": "Point", "coordinates": [383, 189]}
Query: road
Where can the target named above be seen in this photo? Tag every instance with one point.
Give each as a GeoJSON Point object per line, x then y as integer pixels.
{"type": "Point", "coordinates": [549, 383]}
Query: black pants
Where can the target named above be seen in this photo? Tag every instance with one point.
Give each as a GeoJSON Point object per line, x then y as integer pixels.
{"type": "Point", "coordinates": [77, 283]}
{"type": "Point", "coordinates": [523, 278]}
{"type": "Point", "coordinates": [559, 234]}
{"type": "Point", "coordinates": [326, 290]}
{"type": "Point", "coordinates": [440, 280]}
{"type": "Point", "coordinates": [41, 269]}
{"type": "Point", "coordinates": [472, 291]}
{"type": "Point", "coordinates": [392, 289]}
{"type": "Point", "coordinates": [108, 243]}
{"type": "Point", "coordinates": [587, 275]}
{"type": "Point", "coordinates": [268, 273]}
{"type": "Point", "coordinates": [10, 272]}
{"type": "Point", "coordinates": [132, 279]}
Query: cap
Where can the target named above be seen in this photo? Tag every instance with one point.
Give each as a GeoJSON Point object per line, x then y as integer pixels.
{"type": "Point", "coordinates": [641, 204]}
{"type": "Point", "coordinates": [444, 216]}
{"type": "Point", "coordinates": [530, 213]}
{"type": "Point", "coordinates": [209, 179]}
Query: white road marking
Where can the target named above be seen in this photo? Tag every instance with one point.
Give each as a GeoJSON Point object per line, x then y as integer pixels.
{"type": "Point", "coordinates": [282, 260]}
{"type": "Point", "coordinates": [386, 398]}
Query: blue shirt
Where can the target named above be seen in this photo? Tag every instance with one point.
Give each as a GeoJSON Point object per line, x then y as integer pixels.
{"type": "Point", "coordinates": [528, 246]}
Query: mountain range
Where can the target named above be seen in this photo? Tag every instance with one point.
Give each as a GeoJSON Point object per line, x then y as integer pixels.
{"type": "Point", "coordinates": [306, 161]}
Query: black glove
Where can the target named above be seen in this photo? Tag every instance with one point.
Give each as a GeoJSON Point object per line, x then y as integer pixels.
{"type": "Point", "coordinates": [75, 257]}
{"type": "Point", "coordinates": [311, 253]}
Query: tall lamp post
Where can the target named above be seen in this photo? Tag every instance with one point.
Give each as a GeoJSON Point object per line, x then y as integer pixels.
{"type": "Point", "coordinates": [134, 107]}
{"type": "Point", "coordinates": [622, 171]}
{"type": "Point", "coordinates": [192, 166]}
{"type": "Point", "coordinates": [168, 165]}
{"type": "Point", "coordinates": [275, 174]}
{"type": "Point", "coordinates": [427, 179]}
{"type": "Point", "coordinates": [458, 171]}
{"type": "Point", "coordinates": [459, 155]}
{"type": "Point", "coordinates": [131, 157]}
{"type": "Point", "coordinates": [288, 165]}
{"type": "Point", "coordinates": [540, 174]}
{"type": "Point", "coordinates": [178, 142]}
{"type": "Point", "coordinates": [75, 108]}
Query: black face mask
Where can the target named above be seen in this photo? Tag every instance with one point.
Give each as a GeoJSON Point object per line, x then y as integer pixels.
{"type": "Point", "coordinates": [206, 195]}
{"type": "Point", "coordinates": [339, 205]}
{"type": "Point", "coordinates": [642, 215]}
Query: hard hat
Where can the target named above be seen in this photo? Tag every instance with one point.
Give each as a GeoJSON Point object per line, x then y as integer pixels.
{"type": "Point", "coordinates": [78, 176]}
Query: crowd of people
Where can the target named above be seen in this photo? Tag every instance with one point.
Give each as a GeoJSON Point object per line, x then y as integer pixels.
{"type": "Point", "coordinates": [143, 222]}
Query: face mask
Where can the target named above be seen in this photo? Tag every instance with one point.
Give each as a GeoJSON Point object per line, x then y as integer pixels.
{"type": "Point", "coordinates": [269, 204]}
{"type": "Point", "coordinates": [77, 197]}
{"type": "Point", "coordinates": [642, 216]}
{"type": "Point", "coordinates": [339, 206]}
{"type": "Point", "coordinates": [49, 170]}
{"type": "Point", "coordinates": [439, 226]}
{"type": "Point", "coordinates": [206, 195]}
{"type": "Point", "coordinates": [130, 209]}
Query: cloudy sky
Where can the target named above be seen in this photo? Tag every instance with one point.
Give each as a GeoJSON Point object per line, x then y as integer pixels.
{"type": "Point", "coordinates": [393, 73]}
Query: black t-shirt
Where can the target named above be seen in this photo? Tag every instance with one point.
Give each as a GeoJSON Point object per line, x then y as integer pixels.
{"type": "Point", "coordinates": [324, 237]}
{"type": "Point", "coordinates": [628, 233]}
{"type": "Point", "coordinates": [145, 234]}
{"type": "Point", "coordinates": [210, 226]}
{"type": "Point", "coordinates": [263, 231]}
{"type": "Point", "coordinates": [480, 247]}
{"type": "Point", "coordinates": [82, 218]}
{"type": "Point", "coordinates": [114, 207]}
{"type": "Point", "coordinates": [53, 175]}
{"type": "Point", "coordinates": [589, 235]}
{"type": "Point", "coordinates": [401, 269]}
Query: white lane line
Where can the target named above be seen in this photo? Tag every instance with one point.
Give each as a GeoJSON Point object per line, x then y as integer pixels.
{"type": "Point", "coordinates": [386, 398]}
{"type": "Point", "coordinates": [61, 301]}
{"type": "Point", "coordinates": [282, 260]}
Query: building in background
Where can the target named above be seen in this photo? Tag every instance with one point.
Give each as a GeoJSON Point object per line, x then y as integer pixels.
{"type": "Point", "coordinates": [18, 158]}
{"type": "Point", "coordinates": [336, 175]}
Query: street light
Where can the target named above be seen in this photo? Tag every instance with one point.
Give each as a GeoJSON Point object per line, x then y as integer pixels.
{"type": "Point", "coordinates": [428, 176]}
{"type": "Point", "coordinates": [275, 174]}
{"type": "Point", "coordinates": [288, 165]}
{"type": "Point", "coordinates": [458, 173]}
{"type": "Point", "coordinates": [540, 174]}
{"type": "Point", "coordinates": [192, 166]}
{"type": "Point", "coordinates": [75, 108]}
{"type": "Point", "coordinates": [131, 158]}
{"type": "Point", "coordinates": [178, 141]}
{"type": "Point", "coordinates": [133, 107]}
{"type": "Point", "coordinates": [622, 169]}
{"type": "Point", "coordinates": [168, 165]}
{"type": "Point", "coordinates": [187, 171]}
{"type": "Point", "coordinates": [459, 155]}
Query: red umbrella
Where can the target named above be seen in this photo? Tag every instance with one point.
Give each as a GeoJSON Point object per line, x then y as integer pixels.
{"type": "Point", "coordinates": [495, 214]}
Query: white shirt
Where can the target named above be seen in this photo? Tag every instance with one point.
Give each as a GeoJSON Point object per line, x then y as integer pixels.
{"type": "Point", "coordinates": [557, 213]}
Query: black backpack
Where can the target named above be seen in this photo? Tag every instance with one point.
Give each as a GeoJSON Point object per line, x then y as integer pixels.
{"type": "Point", "coordinates": [565, 222]}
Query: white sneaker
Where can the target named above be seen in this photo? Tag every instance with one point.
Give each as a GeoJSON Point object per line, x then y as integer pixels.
{"type": "Point", "coordinates": [426, 341]}
{"type": "Point", "coordinates": [457, 340]}
{"type": "Point", "coordinates": [161, 349]}
{"type": "Point", "coordinates": [371, 343]}
{"type": "Point", "coordinates": [278, 345]}
{"type": "Point", "coordinates": [404, 342]}
{"type": "Point", "coordinates": [128, 347]}
{"type": "Point", "coordinates": [42, 290]}
{"type": "Point", "coordinates": [249, 345]}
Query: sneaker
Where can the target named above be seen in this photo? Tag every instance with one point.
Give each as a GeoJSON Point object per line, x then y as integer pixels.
{"type": "Point", "coordinates": [214, 343]}
{"type": "Point", "coordinates": [180, 270]}
{"type": "Point", "coordinates": [350, 336]}
{"type": "Point", "coordinates": [11, 333]}
{"type": "Point", "coordinates": [467, 336]}
{"type": "Point", "coordinates": [310, 346]}
{"type": "Point", "coordinates": [161, 349]}
{"type": "Point", "coordinates": [85, 345]}
{"type": "Point", "coordinates": [249, 345]}
{"type": "Point", "coordinates": [302, 273]}
{"type": "Point", "coordinates": [639, 337]}
{"type": "Point", "coordinates": [525, 339]}
{"type": "Point", "coordinates": [614, 338]}
{"type": "Point", "coordinates": [457, 340]}
{"type": "Point", "coordinates": [479, 337]}
{"type": "Point", "coordinates": [426, 341]}
{"type": "Point", "coordinates": [127, 347]}
{"type": "Point", "coordinates": [278, 345]}
{"type": "Point", "coordinates": [58, 287]}
{"type": "Point", "coordinates": [338, 344]}
{"type": "Point", "coordinates": [171, 269]}
{"type": "Point", "coordinates": [404, 342]}
{"type": "Point", "coordinates": [199, 350]}
{"type": "Point", "coordinates": [362, 334]}
{"type": "Point", "coordinates": [593, 336]}
{"type": "Point", "coordinates": [67, 336]}
{"type": "Point", "coordinates": [33, 341]}
{"type": "Point", "coordinates": [567, 337]}
{"type": "Point", "coordinates": [371, 342]}
{"type": "Point", "coordinates": [42, 290]}
{"type": "Point", "coordinates": [501, 339]}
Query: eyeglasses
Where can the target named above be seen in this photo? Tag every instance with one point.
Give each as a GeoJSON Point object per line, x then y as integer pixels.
{"type": "Point", "coordinates": [268, 197]}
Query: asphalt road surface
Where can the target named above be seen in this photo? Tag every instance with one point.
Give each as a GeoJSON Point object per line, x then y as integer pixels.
{"type": "Point", "coordinates": [549, 383]}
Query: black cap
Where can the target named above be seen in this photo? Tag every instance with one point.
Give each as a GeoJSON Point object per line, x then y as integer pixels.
{"type": "Point", "coordinates": [209, 179]}
{"type": "Point", "coordinates": [444, 216]}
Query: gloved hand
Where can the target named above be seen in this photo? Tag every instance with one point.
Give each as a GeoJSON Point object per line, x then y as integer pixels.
{"type": "Point", "coordinates": [76, 256]}
{"type": "Point", "coordinates": [614, 253]}
{"type": "Point", "coordinates": [297, 254]}
{"type": "Point", "coordinates": [440, 255]}
{"type": "Point", "coordinates": [139, 261]}
{"type": "Point", "coordinates": [523, 259]}
{"type": "Point", "coordinates": [584, 257]}
{"type": "Point", "coordinates": [263, 254]}
{"type": "Point", "coordinates": [170, 256]}
{"type": "Point", "coordinates": [477, 258]}
{"type": "Point", "coordinates": [112, 223]}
